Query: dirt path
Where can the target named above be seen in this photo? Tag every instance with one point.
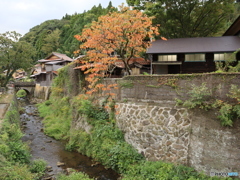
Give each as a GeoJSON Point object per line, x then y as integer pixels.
{"type": "Point", "coordinates": [5, 100]}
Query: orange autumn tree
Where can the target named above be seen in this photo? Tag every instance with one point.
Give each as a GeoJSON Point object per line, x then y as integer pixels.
{"type": "Point", "coordinates": [126, 33]}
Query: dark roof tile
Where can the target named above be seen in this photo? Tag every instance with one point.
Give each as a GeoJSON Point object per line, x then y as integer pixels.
{"type": "Point", "coordinates": [195, 45]}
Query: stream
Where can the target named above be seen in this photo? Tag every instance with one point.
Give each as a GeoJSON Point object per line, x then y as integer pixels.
{"type": "Point", "coordinates": [53, 151]}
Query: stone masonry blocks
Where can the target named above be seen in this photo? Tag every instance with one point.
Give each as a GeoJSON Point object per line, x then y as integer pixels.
{"type": "Point", "coordinates": [160, 133]}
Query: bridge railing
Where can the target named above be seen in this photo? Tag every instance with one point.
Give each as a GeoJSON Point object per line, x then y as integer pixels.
{"type": "Point", "coordinates": [24, 84]}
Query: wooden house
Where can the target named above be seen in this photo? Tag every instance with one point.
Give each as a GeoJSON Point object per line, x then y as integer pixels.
{"type": "Point", "coordinates": [19, 74]}
{"type": "Point", "coordinates": [194, 55]}
{"type": "Point", "coordinates": [137, 65]}
{"type": "Point", "coordinates": [117, 69]}
{"type": "Point", "coordinates": [47, 68]}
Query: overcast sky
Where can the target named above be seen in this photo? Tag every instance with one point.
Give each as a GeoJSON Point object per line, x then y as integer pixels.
{"type": "Point", "coordinates": [22, 15]}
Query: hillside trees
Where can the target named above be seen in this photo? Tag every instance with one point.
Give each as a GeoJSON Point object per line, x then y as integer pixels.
{"type": "Point", "coordinates": [58, 35]}
{"type": "Point", "coordinates": [51, 41]}
{"type": "Point", "coordinates": [126, 33]}
{"type": "Point", "coordinates": [187, 18]}
{"type": "Point", "coordinates": [38, 36]}
{"type": "Point", "coordinates": [68, 44]}
{"type": "Point", "coordinates": [14, 54]}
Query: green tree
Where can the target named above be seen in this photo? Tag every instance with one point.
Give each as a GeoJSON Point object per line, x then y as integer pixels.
{"type": "Point", "coordinates": [38, 34]}
{"type": "Point", "coordinates": [51, 41]}
{"type": "Point", "coordinates": [77, 22]}
{"type": "Point", "coordinates": [14, 54]}
{"type": "Point", "coordinates": [68, 26]}
{"type": "Point", "coordinates": [187, 18]}
{"type": "Point", "coordinates": [235, 13]}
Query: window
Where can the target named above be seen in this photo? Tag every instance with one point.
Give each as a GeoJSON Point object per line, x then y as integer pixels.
{"type": "Point", "coordinates": [194, 57]}
{"type": "Point", "coordinates": [167, 58]}
{"type": "Point", "coordinates": [223, 56]}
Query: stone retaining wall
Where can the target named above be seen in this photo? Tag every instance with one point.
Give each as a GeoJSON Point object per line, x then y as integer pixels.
{"type": "Point", "coordinates": [148, 116]}
{"type": "Point", "coordinates": [190, 137]}
{"type": "Point", "coordinates": [160, 133]}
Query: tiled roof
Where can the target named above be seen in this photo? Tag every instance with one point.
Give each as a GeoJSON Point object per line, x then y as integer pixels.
{"type": "Point", "coordinates": [37, 74]}
{"type": "Point", "coordinates": [195, 45]}
{"type": "Point", "coordinates": [59, 55]}
{"type": "Point", "coordinates": [54, 62]}
{"type": "Point", "coordinates": [43, 60]}
{"type": "Point", "coordinates": [62, 56]}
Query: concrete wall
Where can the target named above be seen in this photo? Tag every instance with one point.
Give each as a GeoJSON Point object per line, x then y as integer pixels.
{"type": "Point", "coordinates": [213, 147]}
{"type": "Point", "coordinates": [168, 87]}
{"type": "Point", "coordinates": [42, 92]}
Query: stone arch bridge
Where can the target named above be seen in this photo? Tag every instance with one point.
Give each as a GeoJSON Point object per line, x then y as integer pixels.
{"type": "Point", "coordinates": [29, 87]}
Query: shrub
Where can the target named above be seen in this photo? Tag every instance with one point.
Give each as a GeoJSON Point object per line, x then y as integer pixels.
{"type": "Point", "coordinates": [17, 171]}
{"type": "Point", "coordinates": [199, 97]}
{"type": "Point", "coordinates": [226, 114]}
{"type": "Point", "coordinates": [163, 170]}
{"type": "Point", "coordinates": [13, 148]}
{"type": "Point", "coordinates": [21, 93]}
{"type": "Point", "coordinates": [14, 154]}
{"type": "Point", "coordinates": [229, 111]}
{"type": "Point", "coordinates": [57, 117]}
{"type": "Point", "coordinates": [74, 176]}
{"type": "Point", "coordinates": [38, 167]}
{"type": "Point", "coordinates": [19, 152]}
{"type": "Point", "coordinates": [93, 112]}
{"type": "Point", "coordinates": [235, 93]}
{"type": "Point", "coordinates": [106, 144]}
{"type": "Point", "coordinates": [48, 102]}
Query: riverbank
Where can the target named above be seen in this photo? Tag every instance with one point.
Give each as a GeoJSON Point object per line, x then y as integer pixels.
{"type": "Point", "coordinates": [16, 160]}
{"type": "Point", "coordinates": [5, 100]}
{"type": "Point", "coordinates": [53, 152]}
{"type": "Point", "coordinates": [14, 154]}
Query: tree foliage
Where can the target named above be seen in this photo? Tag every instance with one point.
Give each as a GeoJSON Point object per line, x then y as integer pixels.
{"type": "Point", "coordinates": [126, 33]}
{"type": "Point", "coordinates": [39, 35]}
{"type": "Point", "coordinates": [51, 41]}
{"type": "Point", "coordinates": [58, 35]}
{"type": "Point", "coordinates": [14, 54]}
{"type": "Point", "coordinates": [68, 44]}
{"type": "Point", "coordinates": [187, 18]}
